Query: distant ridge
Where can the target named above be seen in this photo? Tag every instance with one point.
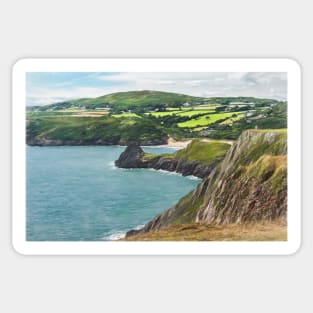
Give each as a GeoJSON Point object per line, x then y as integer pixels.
{"type": "Point", "coordinates": [144, 99]}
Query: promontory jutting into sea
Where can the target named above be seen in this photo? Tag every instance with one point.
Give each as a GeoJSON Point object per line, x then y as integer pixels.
{"type": "Point", "coordinates": [155, 165]}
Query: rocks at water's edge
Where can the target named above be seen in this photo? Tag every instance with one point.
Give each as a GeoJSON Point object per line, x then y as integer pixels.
{"type": "Point", "coordinates": [133, 157]}
{"type": "Point", "coordinates": [249, 185]}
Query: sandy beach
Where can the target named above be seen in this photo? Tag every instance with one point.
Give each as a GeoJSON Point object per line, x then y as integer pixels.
{"type": "Point", "coordinates": [184, 143]}
{"type": "Point", "coordinates": [174, 143]}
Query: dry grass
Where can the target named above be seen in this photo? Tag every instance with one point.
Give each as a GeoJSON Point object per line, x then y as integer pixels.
{"type": "Point", "coordinates": [256, 231]}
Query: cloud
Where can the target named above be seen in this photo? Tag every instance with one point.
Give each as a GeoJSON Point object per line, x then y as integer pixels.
{"type": "Point", "coordinates": [165, 82]}
{"type": "Point", "coordinates": [261, 84]}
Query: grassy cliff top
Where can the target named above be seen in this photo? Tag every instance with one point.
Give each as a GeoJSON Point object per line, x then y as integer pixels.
{"type": "Point", "coordinates": [201, 151]}
{"type": "Point", "coordinates": [204, 152]}
{"type": "Point", "coordinates": [279, 130]}
{"type": "Point", "coordinates": [249, 184]}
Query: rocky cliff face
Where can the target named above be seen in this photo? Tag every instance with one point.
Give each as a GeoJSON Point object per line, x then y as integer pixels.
{"type": "Point", "coordinates": [250, 184]}
{"type": "Point", "coordinates": [134, 157]}
{"type": "Point", "coordinates": [131, 157]}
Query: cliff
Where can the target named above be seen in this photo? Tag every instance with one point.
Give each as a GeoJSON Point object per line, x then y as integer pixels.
{"type": "Point", "coordinates": [197, 159]}
{"type": "Point", "coordinates": [249, 185]}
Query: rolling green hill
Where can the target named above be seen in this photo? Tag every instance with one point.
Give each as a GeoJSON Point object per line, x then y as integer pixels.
{"type": "Point", "coordinates": [58, 130]}
{"type": "Point", "coordinates": [147, 100]}
{"type": "Point", "coordinates": [150, 117]}
{"type": "Point", "coordinates": [131, 100]}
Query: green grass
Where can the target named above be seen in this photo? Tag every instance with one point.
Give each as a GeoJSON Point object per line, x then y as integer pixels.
{"type": "Point", "coordinates": [231, 120]}
{"type": "Point", "coordinates": [204, 152]}
{"type": "Point", "coordinates": [260, 145]}
{"type": "Point", "coordinates": [121, 101]}
{"type": "Point", "coordinates": [282, 131]}
{"type": "Point", "coordinates": [195, 112]}
{"type": "Point", "coordinates": [162, 114]}
{"type": "Point", "coordinates": [205, 120]}
{"type": "Point", "coordinates": [126, 115]}
{"type": "Point", "coordinates": [206, 107]}
{"type": "Point", "coordinates": [90, 129]}
{"type": "Point", "coordinates": [185, 112]}
{"type": "Point", "coordinates": [201, 151]}
{"type": "Point", "coordinates": [272, 167]}
{"type": "Point", "coordinates": [176, 121]}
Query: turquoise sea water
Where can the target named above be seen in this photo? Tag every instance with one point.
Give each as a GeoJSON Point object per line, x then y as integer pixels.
{"type": "Point", "coordinates": [76, 193]}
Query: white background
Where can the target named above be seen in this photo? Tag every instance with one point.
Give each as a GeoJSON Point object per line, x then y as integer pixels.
{"type": "Point", "coordinates": [145, 29]}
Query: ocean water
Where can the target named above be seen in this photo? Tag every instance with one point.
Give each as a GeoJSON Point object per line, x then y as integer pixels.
{"type": "Point", "coordinates": [77, 194]}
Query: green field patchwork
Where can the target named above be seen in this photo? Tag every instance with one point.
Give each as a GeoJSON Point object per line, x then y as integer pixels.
{"type": "Point", "coordinates": [231, 120]}
{"type": "Point", "coordinates": [185, 112]}
{"type": "Point", "coordinates": [162, 114]}
{"type": "Point", "coordinates": [195, 112]}
{"type": "Point", "coordinates": [205, 120]}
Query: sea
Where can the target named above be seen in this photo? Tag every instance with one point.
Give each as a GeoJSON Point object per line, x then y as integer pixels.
{"type": "Point", "coordinates": [78, 194]}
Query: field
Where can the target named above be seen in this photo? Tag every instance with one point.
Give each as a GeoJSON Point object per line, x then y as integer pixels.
{"type": "Point", "coordinates": [233, 119]}
{"type": "Point", "coordinates": [208, 119]}
{"type": "Point", "coordinates": [167, 114]}
{"type": "Point", "coordinates": [90, 129]}
{"type": "Point", "coordinates": [201, 117]}
{"type": "Point", "coordinates": [201, 151]}
{"type": "Point", "coordinates": [68, 113]}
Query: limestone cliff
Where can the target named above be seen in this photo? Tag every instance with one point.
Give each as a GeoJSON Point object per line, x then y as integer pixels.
{"type": "Point", "coordinates": [250, 184]}
{"type": "Point", "coordinates": [188, 161]}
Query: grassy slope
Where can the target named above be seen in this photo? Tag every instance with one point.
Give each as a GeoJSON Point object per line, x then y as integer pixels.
{"type": "Point", "coordinates": [130, 99]}
{"type": "Point", "coordinates": [204, 152]}
{"type": "Point", "coordinates": [208, 119]}
{"type": "Point", "coordinates": [185, 123]}
{"type": "Point", "coordinates": [257, 231]}
{"type": "Point", "coordinates": [92, 128]}
{"type": "Point", "coordinates": [197, 150]}
{"type": "Point", "coordinates": [270, 118]}
{"type": "Point", "coordinates": [249, 184]}
{"type": "Point", "coordinates": [257, 162]}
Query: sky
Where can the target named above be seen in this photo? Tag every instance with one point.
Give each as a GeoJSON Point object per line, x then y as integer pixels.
{"type": "Point", "coordinates": [49, 87]}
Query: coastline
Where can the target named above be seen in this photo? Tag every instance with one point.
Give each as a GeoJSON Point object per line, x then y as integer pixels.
{"type": "Point", "coordinates": [184, 143]}
{"type": "Point", "coordinates": [177, 143]}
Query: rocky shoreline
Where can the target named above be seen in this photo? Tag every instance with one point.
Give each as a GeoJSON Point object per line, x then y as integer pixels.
{"type": "Point", "coordinates": [249, 185]}
{"type": "Point", "coordinates": [134, 157]}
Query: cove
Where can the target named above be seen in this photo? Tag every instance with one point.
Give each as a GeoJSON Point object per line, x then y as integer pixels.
{"type": "Point", "coordinates": [77, 194]}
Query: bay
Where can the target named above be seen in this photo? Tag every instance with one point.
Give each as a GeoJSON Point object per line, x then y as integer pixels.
{"type": "Point", "coordinates": [77, 194]}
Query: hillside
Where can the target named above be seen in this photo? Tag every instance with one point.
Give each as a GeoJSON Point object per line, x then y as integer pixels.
{"type": "Point", "coordinates": [198, 158]}
{"type": "Point", "coordinates": [130, 100]}
{"type": "Point", "coordinates": [150, 117]}
{"type": "Point", "coordinates": [57, 130]}
{"type": "Point", "coordinates": [249, 185]}
{"type": "Point", "coordinates": [145, 100]}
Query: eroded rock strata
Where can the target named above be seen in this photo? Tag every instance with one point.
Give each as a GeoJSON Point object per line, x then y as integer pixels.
{"type": "Point", "coordinates": [134, 157]}
{"type": "Point", "coordinates": [250, 184]}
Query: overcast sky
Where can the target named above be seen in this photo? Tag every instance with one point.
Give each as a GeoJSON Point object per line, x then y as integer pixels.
{"type": "Point", "coordinates": [44, 88]}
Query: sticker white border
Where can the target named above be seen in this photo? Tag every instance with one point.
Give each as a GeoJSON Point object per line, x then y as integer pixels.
{"type": "Point", "coordinates": [155, 65]}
